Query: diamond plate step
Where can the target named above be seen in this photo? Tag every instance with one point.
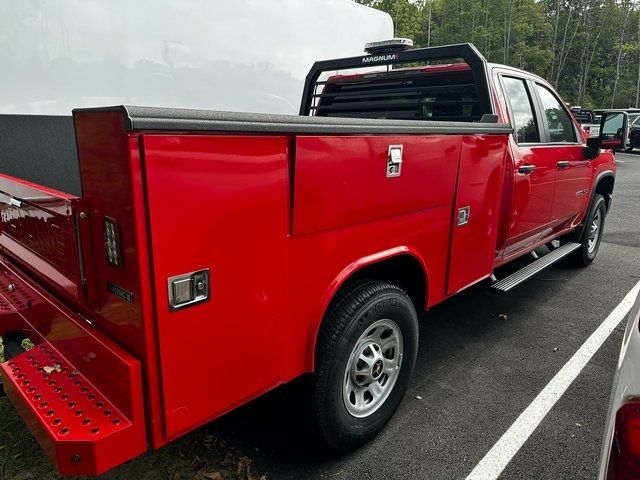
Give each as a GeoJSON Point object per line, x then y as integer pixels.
{"type": "Point", "coordinates": [75, 423]}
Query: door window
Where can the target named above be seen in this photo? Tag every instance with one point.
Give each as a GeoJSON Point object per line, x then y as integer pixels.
{"type": "Point", "coordinates": [560, 125]}
{"type": "Point", "coordinates": [524, 122]}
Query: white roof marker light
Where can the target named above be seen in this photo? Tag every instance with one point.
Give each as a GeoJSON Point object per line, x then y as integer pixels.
{"type": "Point", "coordinates": [388, 46]}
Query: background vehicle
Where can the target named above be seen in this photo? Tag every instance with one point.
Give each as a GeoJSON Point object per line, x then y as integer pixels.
{"type": "Point", "coordinates": [633, 114]}
{"type": "Point", "coordinates": [188, 261]}
{"type": "Point", "coordinates": [634, 134]}
{"type": "Point", "coordinates": [620, 457]}
{"type": "Point", "coordinates": [587, 120]}
{"type": "Point", "coordinates": [632, 140]}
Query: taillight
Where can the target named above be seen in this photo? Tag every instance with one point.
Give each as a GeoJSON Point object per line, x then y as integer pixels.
{"type": "Point", "coordinates": [587, 129]}
{"type": "Point", "coordinates": [112, 242]}
{"type": "Point", "coordinates": [624, 460]}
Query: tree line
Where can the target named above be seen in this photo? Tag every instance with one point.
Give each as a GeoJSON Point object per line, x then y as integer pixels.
{"type": "Point", "coordinates": [588, 49]}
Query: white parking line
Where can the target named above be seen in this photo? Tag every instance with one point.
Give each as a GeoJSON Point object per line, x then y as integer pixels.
{"type": "Point", "coordinates": [495, 461]}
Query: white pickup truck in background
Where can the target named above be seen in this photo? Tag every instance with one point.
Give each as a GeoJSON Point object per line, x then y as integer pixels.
{"type": "Point", "coordinates": [588, 120]}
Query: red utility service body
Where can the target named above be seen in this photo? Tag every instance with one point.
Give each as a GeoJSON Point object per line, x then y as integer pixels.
{"type": "Point", "coordinates": [281, 211]}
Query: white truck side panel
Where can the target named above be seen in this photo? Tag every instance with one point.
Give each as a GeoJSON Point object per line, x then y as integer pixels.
{"type": "Point", "coordinates": [243, 55]}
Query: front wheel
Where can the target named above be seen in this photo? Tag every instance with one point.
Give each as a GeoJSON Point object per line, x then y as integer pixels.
{"type": "Point", "coordinates": [591, 233]}
{"type": "Point", "coordinates": [365, 356]}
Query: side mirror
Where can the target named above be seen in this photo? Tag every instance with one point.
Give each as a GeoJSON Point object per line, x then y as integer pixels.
{"type": "Point", "coordinates": [614, 132]}
{"type": "Point", "coordinates": [592, 150]}
{"type": "Point", "coordinates": [614, 127]}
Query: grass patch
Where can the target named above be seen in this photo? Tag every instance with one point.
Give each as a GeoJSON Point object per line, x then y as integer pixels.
{"type": "Point", "coordinates": [197, 456]}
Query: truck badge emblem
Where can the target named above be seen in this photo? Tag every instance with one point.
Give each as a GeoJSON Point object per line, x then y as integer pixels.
{"type": "Point", "coordinates": [120, 292]}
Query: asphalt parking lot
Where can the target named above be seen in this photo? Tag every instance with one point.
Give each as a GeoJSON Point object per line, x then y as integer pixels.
{"type": "Point", "coordinates": [482, 360]}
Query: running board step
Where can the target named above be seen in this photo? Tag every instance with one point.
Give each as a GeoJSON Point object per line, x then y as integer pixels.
{"type": "Point", "coordinates": [524, 274]}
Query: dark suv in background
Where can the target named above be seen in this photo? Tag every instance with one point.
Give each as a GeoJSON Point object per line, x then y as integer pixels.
{"type": "Point", "coordinates": [634, 133]}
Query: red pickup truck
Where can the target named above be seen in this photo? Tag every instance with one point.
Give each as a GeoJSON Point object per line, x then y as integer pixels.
{"type": "Point", "coordinates": [170, 265]}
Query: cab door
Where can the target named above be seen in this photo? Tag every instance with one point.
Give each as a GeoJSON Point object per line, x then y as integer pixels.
{"type": "Point", "coordinates": [533, 170]}
{"type": "Point", "coordinates": [565, 153]}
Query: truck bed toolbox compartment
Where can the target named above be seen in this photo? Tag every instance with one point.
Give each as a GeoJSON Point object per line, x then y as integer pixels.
{"type": "Point", "coordinates": [335, 190]}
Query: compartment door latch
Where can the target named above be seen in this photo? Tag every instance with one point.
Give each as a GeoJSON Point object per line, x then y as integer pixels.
{"type": "Point", "coordinates": [394, 161]}
{"type": "Point", "coordinates": [188, 289]}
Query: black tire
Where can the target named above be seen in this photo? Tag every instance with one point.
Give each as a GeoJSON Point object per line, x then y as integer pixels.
{"type": "Point", "coordinates": [628, 150]}
{"type": "Point", "coordinates": [355, 308]}
{"type": "Point", "coordinates": [585, 255]}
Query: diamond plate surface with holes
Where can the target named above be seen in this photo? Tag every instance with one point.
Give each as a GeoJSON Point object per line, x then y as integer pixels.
{"type": "Point", "coordinates": [80, 425]}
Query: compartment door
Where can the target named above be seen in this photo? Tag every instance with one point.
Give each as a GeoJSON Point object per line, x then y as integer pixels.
{"type": "Point", "coordinates": [221, 203]}
{"type": "Point", "coordinates": [476, 210]}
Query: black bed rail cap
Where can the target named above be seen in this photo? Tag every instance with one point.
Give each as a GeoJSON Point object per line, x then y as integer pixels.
{"type": "Point", "coordinates": [138, 118]}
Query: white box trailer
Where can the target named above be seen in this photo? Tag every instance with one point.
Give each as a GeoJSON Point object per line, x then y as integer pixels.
{"type": "Point", "coordinates": [243, 55]}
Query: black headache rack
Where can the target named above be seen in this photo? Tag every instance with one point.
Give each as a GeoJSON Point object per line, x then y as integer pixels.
{"type": "Point", "coordinates": [405, 95]}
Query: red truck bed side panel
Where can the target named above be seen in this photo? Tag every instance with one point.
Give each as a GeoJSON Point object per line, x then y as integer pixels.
{"type": "Point", "coordinates": [219, 202]}
{"type": "Point", "coordinates": [322, 262]}
{"type": "Point", "coordinates": [222, 202]}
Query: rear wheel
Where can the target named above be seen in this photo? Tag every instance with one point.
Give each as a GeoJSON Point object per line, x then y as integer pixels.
{"type": "Point", "coordinates": [591, 233]}
{"type": "Point", "coordinates": [365, 355]}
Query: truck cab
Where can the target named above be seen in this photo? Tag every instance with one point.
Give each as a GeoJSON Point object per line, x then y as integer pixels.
{"type": "Point", "coordinates": [551, 170]}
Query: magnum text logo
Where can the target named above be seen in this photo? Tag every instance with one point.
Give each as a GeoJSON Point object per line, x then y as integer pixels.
{"type": "Point", "coordinates": [380, 58]}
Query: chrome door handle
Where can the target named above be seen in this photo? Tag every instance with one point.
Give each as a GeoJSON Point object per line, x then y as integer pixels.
{"type": "Point", "coordinates": [526, 169]}
{"type": "Point", "coordinates": [563, 164]}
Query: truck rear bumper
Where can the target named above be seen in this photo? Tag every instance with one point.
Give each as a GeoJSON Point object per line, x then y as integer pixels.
{"type": "Point", "coordinates": [79, 394]}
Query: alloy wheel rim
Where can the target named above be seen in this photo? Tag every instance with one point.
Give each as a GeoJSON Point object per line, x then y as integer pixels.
{"type": "Point", "coordinates": [373, 368]}
{"type": "Point", "coordinates": [594, 232]}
